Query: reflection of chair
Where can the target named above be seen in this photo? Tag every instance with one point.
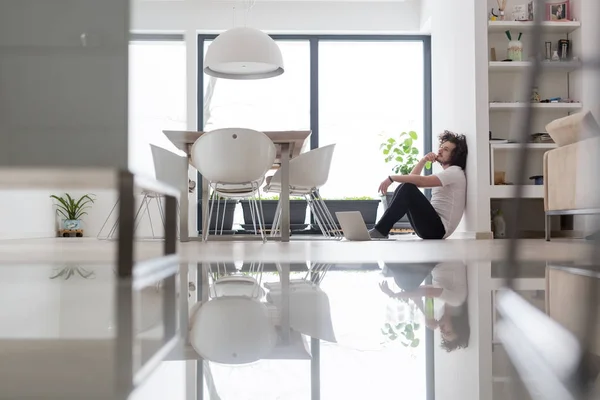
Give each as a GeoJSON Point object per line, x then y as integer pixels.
{"type": "Point", "coordinates": [234, 327]}
{"type": "Point", "coordinates": [169, 168]}
{"type": "Point", "coordinates": [234, 161]}
{"type": "Point", "coordinates": [310, 312]}
{"type": "Point", "coordinates": [308, 172]}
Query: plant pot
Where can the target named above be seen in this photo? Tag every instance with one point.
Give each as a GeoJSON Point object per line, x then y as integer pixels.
{"type": "Point", "coordinates": [367, 208]}
{"type": "Point", "coordinates": [297, 214]}
{"type": "Point", "coordinates": [71, 224]}
{"type": "Point", "coordinates": [403, 223]}
{"type": "Point", "coordinates": [224, 208]}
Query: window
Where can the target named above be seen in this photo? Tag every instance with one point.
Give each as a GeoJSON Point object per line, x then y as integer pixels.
{"type": "Point", "coordinates": [157, 97]}
{"type": "Point", "coordinates": [368, 91]}
{"type": "Point", "coordinates": [280, 103]}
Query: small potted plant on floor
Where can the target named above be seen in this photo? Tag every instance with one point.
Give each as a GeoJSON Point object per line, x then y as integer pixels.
{"type": "Point", "coordinates": [269, 205]}
{"type": "Point", "coordinates": [399, 151]}
{"type": "Point", "coordinates": [72, 210]}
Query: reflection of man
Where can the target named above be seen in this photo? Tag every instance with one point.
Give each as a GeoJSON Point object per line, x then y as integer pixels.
{"type": "Point", "coordinates": [448, 292]}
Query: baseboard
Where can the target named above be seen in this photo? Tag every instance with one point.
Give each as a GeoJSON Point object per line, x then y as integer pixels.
{"type": "Point", "coordinates": [488, 235]}
{"type": "Point", "coordinates": [27, 235]}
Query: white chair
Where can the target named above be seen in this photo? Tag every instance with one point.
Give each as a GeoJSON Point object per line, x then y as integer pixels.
{"type": "Point", "coordinates": [234, 161]}
{"type": "Point", "coordinates": [308, 172]}
{"type": "Point", "coordinates": [169, 168]}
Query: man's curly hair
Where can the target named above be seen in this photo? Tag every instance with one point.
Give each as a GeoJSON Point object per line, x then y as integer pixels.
{"type": "Point", "coordinates": [459, 154]}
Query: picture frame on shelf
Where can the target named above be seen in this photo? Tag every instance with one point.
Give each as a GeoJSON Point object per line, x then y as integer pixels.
{"type": "Point", "coordinates": [558, 11]}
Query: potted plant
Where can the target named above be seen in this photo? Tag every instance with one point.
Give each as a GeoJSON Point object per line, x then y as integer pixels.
{"type": "Point", "coordinates": [72, 210]}
{"type": "Point", "coordinates": [403, 156]}
{"type": "Point", "coordinates": [365, 204]}
{"type": "Point", "coordinates": [269, 205]}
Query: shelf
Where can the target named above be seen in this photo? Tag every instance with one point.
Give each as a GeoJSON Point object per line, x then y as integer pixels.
{"type": "Point", "coordinates": [533, 146]}
{"type": "Point", "coordinates": [506, 191]}
{"type": "Point", "coordinates": [527, 26]}
{"type": "Point", "coordinates": [519, 66]}
{"type": "Point", "coordinates": [543, 106]}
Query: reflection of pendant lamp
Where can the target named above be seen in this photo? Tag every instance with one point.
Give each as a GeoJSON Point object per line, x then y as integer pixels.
{"type": "Point", "coordinates": [243, 53]}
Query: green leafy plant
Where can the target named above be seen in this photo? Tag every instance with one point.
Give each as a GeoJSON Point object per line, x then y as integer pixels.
{"type": "Point", "coordinates": [70, 208]}
{"type": "Point", "coordinates": [405, 331]}
{"type": "Point", "coordinates": [401, 153]}
{"type": "Point", "coordinates": [359, 198]}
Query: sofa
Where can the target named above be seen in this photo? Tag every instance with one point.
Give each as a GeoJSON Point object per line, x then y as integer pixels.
{"type": "Point", "coordinates": [572, 169]}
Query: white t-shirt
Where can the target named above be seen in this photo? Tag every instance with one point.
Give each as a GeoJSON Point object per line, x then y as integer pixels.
{"type": "Point", "coordinates": [449, 199]}
{"type": "Point", "coordinates": [451, 277]}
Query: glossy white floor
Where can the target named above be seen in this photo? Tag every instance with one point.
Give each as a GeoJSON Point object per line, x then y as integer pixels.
{"type": "Point", "coordinates": [405, 249]}
{"type": "Point", "coordinates": [56, 308]}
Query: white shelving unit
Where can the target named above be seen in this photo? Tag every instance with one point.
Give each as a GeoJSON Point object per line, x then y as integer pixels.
{"type": "Point", "coordinates": [508, 100]}
{"type": "Point", "coordinates": [527, 26]}
{"type": "Point", "coordinates": [540, 106]}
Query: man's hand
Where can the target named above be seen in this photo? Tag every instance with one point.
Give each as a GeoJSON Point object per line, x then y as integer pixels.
{"type": "Point", "coordinates": [383, 187]}
{"type": "Point", "coordinates": [431, 157]}
{"type": "Point", "coordinates": [386, 289]}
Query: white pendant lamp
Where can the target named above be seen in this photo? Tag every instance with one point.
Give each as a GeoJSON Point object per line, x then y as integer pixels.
{"type": "Point", "coordinates": [243, 53]}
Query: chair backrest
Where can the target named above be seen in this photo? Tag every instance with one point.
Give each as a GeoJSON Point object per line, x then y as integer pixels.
{"type": "Point", "coordinates": [170, 168]}
{"type": "Point", "coordinates": [233, 155]}
{"type": "Point", "coordinates": [310, 169]}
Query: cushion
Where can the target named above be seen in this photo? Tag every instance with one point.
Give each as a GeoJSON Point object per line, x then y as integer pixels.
{"type": "Point", "coordinates": [573, 129]}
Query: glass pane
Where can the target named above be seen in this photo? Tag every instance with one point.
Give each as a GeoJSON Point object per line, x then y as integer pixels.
{"type": "Point", "coordinates": [157, 97]}
{"type": "Point", "coordinates": [368, 92]}
{"type": "Point", "coordinates": [280, 103]}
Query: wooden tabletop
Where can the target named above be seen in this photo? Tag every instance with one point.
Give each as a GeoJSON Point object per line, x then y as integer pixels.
{"type": "Point", "coordinates": [298, 140]}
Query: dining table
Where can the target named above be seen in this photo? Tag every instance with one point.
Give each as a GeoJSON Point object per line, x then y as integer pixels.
{"type": "Point", "coordinates": [289, 144]}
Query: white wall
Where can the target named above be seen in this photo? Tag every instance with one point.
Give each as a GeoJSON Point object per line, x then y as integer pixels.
{"type": "Point", "coordinates": [460, 95]}
{"type": "Point", "coordinates": [279, 16]}
{"type": "Point", "coordinates": [426, 15]}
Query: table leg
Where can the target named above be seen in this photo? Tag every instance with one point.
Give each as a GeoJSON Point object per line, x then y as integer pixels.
{"type": "Point", "coordinates": [315, 369]}
{"type": "Point", "coordinates": [205, 198]}
{"type": "Point", "coordinates": [184, 209]}
{"type": "Point", "coordinates": [285, 192]}
{"type": "Point", "coordinates": [284, 279]}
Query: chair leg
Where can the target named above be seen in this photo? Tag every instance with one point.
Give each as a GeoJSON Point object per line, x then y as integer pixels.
{"type": "Point", "coordinates": [316, 215]}
{"type": "Point", "coordinates": [548, 227]}
{"type": "Point", "coordinates": [276, 219]}
{"type": "Point", "coordinates": [107, 218]}
{"type": "Point", "coordinates": [208, 212]}
{"type": "Point", "coordinates": [327, 215]}
{"type": "Point", "coordinates": [261, 215]}
{"type": "Point", "coordinates": [148, 201]}
{"type": "Point", "coordinates": [223, 217]}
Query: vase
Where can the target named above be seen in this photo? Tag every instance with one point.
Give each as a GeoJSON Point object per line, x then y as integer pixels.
{"type": "Point", "coordinates": [515, 50]}
{"type": "Point", "coordinates": [71, 224]}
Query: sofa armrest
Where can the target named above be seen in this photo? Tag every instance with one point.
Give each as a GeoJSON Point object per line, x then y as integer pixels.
{"type": "Point", "coordinates": [569, 173]}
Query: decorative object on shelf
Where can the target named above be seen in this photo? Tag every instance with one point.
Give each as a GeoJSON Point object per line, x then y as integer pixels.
{"type": "Point", "coordinates": [501, 8]}
{"type": "Point", "coordinates": [555, 56]}
{"type": "Point", "coordinates": [541, 137]}
{"type": "Point", "coordinates": [558, 11]}
{"type": "Point", "coordinates": [530, 10]}
{"type": "Point", "coordinates": [499, 178]}
{"type": "Point", "coordinates": [493, 54]}
{"type": "Point", "coordinates": [72, 210]}
{"type": "Point", "coordinates": [515, 47]}
{"type": "Point", "coordinates": [520, 12]}
{"type": "Point", "coordinates": [493, 16]}
{"type": "Point", "coordinates": [68, 272]}
{"type": "Point", "coordinates": [537, 179]}
{"type": "Point", "coordinates": [564, 47]}
{"type": "Point", "coordinates": [498, 224]}
{"type": "Point", "coordinates": [548, 51]}
{"type": "Point", "coordinates": [535, 95]}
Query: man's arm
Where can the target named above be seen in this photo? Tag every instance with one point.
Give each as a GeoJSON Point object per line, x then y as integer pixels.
{"type": "Point", "coordinates": [423, 181]}
{"type": "Point", "coordinates": [419, 167]}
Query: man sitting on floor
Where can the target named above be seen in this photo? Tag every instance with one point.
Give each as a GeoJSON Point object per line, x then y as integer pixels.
{"type": "Point", "coordinates": [439, 218]}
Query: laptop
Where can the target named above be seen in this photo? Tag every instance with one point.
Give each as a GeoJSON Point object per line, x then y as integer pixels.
{"type": "Point", "coordinates": [354, 227]}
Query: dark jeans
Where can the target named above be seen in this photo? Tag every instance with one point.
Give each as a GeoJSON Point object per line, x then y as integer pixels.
{"type": "Point", "coordinates": [409, 200]}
